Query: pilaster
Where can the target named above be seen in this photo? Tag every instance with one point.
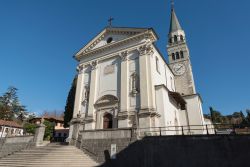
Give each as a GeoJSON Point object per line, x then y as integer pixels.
{"type": "Point", "coordinates": [146, 85]}
{"type": "Point", "coordinates": [147, 112]}
{"type": "Point", "coordinates": [89, 120]}
{"type": "Point", "coordinates": [79, 91]}
{"type": "Point", "coordinates": [124, 97]}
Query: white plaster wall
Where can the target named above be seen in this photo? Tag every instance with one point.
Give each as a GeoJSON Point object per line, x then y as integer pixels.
{"type": "Point", "coordinates": [195, 113]}
{"type": "Point", "coordinates": [165, 75]}
{"type": "Point", "coordinates": [167, 109]}
{"type": "Point", "coordinates": [108, 83]}
{"type": "Point", "coordinates": [183, 117]}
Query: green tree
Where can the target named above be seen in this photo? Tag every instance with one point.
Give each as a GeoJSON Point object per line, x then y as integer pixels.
{"type": "Point", "coordinates": [48, 130]}
{"type": "Point", "coordinates": [216, 116]}
{"type": "Point", "coordinates": [10, 106]}
{"type": "Point", "coordinates": [29, 128]}
{"type": "Point", "coordinates": [69, 108]}
{"type": "Point", "coordinates": [248, 116]}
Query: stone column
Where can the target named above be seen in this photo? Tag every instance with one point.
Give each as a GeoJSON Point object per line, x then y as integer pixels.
{"type": "Point", "coordinates": [90, 120]}
{"type": "Point", "coordinates": [39, 134]}
{"type": "Point", "coordinates": [123, 120]}
{"type": "Point", "coordinates": [79, 91]}
{"type": "Point", "coordinates": [147, 99]}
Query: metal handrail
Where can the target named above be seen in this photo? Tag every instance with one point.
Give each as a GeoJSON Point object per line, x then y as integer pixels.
{"type": "Point", "coordinates": [207, 129]}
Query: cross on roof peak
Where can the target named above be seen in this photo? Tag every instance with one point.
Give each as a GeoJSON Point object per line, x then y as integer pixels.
{"type": "Point", "coordinates": [110, 21]}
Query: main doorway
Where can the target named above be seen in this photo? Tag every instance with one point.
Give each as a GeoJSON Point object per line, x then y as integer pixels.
{"type": "Point", "coordinates": [107, 121]}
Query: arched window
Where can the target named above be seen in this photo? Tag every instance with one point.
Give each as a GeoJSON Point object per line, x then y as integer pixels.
{"type": "Point", "coordinates": [177, 55]}
{"type": "Point", "coordinates": [182, 39]}
{"type": "Point", "coordinates": [107, 121]}
{"type": "Point", "coordinates": [182, 55]}
{"type": "Point", "coordinates": [175, 38]}
{"type": "Point", "coordinates": [173, 56]}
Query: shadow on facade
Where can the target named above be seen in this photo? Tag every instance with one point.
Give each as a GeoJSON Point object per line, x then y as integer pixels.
{"type": "Point", "coordinates": [184, 151]}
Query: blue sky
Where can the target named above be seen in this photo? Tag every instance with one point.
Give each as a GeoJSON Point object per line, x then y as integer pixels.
{"type": "Point", "coordinates": [39, 38]}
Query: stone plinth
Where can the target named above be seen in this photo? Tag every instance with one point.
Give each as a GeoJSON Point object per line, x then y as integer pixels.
{"type": "Point", "coordinates": [38, 139]}
{"type": "Point", "coordinates": [76, 125]}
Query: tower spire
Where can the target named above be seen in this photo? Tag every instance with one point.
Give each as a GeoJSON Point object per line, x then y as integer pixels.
{"type": "Point", "coordinates": [174, 22]}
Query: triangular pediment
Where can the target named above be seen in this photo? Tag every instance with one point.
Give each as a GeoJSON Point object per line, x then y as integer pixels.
{"type": "Point", "coordinates": [111, 35]}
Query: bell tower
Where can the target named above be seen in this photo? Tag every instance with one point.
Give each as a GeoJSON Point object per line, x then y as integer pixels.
{"type": "Point", "coordinates": [179, 58]}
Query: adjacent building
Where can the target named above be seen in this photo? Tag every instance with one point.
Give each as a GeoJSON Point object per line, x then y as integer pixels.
{"type": "Point", "coordinates": [10, 128]}
{"type": "Point", "coordinates": [59, 133]}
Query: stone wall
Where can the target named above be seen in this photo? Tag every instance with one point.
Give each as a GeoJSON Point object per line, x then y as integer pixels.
{"type": "Point", "coordinates": [10, 145]}
{"type": "Point", "coordinates": [185, 151]}
{"type": "Point", "coordinates": [97, 144]}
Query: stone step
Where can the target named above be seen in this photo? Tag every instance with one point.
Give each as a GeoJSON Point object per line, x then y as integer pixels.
{"type": "Point", "coordinates": [49, 156]}
{"type": "Point", "coordinates": [49, 165]}
{"type": "Point", "coordinates": [43, 163]}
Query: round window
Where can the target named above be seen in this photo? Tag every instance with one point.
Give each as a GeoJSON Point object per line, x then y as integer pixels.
{"type": "Point", "coordinates": [109, 40]}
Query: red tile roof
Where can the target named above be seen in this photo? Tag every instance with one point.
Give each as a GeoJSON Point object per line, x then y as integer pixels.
{"type": "Point", "coordinates": [47, 118]}
{"type": "Point", "coordinates": [9, 123]}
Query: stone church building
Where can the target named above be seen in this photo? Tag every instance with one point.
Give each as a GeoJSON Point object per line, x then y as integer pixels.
{"type": "Point", "coordinates": [124, 81]}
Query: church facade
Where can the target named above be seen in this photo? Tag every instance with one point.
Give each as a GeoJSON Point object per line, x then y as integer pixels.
{"type": "Point", "coordinates": [124, 81]}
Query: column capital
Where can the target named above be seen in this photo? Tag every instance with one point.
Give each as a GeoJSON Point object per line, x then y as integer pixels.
{"type": "Point", "coordinates": [146, 50]}
{"type": "Point", "coordinates": [79, 69]}
{"type": "Point", "coordinates": [93, 64]}
{"type": "Point", "coordinates": [124, 55]}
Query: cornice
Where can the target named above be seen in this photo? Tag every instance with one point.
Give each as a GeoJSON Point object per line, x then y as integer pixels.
{"type": "Point", "coordinates": [116, 53]}
{"type": "Point", "coordinates": [148, 35]}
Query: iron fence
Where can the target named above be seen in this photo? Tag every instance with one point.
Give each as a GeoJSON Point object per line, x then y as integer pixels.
{"type": "Point", "coordinates": [209, 129]}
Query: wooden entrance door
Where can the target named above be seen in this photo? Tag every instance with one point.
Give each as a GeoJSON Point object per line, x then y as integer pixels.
{"type": "Point", "coordinates": [107, 121]}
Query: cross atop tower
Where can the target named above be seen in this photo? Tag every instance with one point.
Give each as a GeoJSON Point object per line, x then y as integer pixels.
{"type": "Point", "coordinates": [110, 21]}
{"type": "Point", "coordinates": [172, 4]}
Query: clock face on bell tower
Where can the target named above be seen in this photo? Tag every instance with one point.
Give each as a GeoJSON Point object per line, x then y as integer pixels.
{"type": "Point", "coordinates": [179, 69]}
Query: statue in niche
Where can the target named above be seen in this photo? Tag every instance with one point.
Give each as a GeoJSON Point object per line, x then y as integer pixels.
{"type": "Point", "coordinates": [134, 84]}
{"type": "Point", "coordinates": [86, 95]}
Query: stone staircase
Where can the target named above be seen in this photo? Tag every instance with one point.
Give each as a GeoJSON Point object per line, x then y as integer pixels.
{"type": "Point", "coordinates": [52, 155]}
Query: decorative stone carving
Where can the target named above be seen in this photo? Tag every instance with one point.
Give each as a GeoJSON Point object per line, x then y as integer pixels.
{"type": "Point", "coordinates": [79, 68]}
{"type": "Point", "coordinates": [134, 84]}
{"type": "Point", "coordinates": [146, 50]}
{"type": "Point", "coordinates": [109, 69]}
{"type": "Point", "coordinates": [142, 50]}
{"type": "Point", "coordinates": [124, 56]}
{"type": "Point", "coordinates": [79, 114]}
{"type": "Point", "coordinates": [86, 95]}
{"type": "Point", "coordinates": [93, 65]}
